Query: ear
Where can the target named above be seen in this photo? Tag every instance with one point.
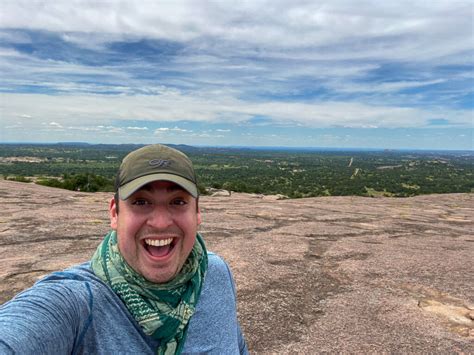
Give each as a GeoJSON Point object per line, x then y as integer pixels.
{"type": "Point", "coordinates": [113, 214]}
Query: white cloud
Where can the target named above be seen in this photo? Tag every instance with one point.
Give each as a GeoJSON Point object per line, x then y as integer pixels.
{"type": "Point", "coordinates": [174, 129]}
{"type": "Point", "coordinates": [323, 29]}
{"type": "Point", "coordinates": [138, 128]}
{"type": "Point", "coordinates": [391, 87]}
{"type": "Point", "coordinates": [329, 42]}
{"type": "Point", "coordinates": [97, 129]}
{"type": "Point", "coordinates": [207, 135]}
{"type": "Point", "coordinates": [90, 109]}
{"type": "Point", "coordinates": [115, 130]}
{"type": "Point", "coordinates": [10, 53]}
{"type": "Point", "coordinates": [177, 129]}
{"type": "Point", "coordinates": [86, 129]}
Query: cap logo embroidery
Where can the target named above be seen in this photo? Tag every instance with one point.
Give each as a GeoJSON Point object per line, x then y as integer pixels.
{"type": "Point", "coordinates": [161, 163]}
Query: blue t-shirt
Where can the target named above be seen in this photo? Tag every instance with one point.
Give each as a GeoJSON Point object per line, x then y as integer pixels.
{"type": "Point", "coordinates": [74, 312]}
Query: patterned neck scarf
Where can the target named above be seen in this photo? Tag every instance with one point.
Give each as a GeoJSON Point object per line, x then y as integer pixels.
{"type": "Point", "coordinates": [162, 310]}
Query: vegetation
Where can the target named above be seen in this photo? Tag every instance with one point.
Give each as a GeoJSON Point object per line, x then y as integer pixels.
{"type": "Point", "coordinates": [18, 178]}
{"type": "Point", "coordinates": [294, 173]}
{"type": "Point", "coordinates": [79, 182]}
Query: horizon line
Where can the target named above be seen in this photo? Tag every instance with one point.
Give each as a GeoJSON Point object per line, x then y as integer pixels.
{"type": "Point", "coordinates": [263, 147]}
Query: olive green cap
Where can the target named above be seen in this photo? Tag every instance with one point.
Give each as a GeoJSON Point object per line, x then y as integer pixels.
{"type": "Point", "coordinates": [152, 163]}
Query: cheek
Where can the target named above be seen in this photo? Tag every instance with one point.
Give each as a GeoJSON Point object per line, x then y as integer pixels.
{"type": "Point", "coordinates": [188, 244]}
{"type": "Point", "coordinates": [126, 232]}
{"type": "Point", "coordinates": [190, 229]}
{"type": "Point", "coordinates": [127, 245]}
{"type": "Point", "coordinates": [128, 222]}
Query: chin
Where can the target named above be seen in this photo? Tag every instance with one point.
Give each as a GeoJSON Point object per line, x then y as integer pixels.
{"type": "Point", "coordinates": [160, 276]}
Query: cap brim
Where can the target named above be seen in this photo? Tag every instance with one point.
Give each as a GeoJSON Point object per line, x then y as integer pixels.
{"type": "Point", "coordinates": [128, 189]}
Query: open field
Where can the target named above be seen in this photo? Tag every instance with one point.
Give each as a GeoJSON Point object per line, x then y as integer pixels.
{"type": "Point", "coordinates": [314, 275]}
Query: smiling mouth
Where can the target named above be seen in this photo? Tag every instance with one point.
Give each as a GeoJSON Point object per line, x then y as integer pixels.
{"type": "Point", "coordinates": [159, 248]}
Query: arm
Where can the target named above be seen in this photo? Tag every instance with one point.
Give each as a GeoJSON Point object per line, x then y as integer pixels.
{"type": "Point", "coordinates": [242, 344]}
{"type": "Point", "coordinates": [45, 319]}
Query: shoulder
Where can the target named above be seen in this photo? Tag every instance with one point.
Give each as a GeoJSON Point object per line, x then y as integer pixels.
{"type": "Point", "coordinates": [214, 327]}
{"type": "Point", "coordinates": [70, 291]}
{"type": "Point", "coordinates": [79, 281]}
{"type": "Point", "coordinates": [218, 270]}
{"type": "Point", "coordinates": [216, 262]}
{"type": "Point", "coordinates": [59, 282]}
{"type": "Point", "coordinates": [80, 273]}
{"type": "Point", "coordinates": [218, 280]}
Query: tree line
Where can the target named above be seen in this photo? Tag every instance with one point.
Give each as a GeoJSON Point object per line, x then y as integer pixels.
{"type": "Point", "coordinates": [296, 174]}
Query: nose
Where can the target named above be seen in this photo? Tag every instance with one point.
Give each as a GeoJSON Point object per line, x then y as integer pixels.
{"type": "Point", "coordinates": [160, 218]}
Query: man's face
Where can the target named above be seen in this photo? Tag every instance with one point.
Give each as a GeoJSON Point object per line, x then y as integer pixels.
{"type": "Point", "coordinates": [156, 229]}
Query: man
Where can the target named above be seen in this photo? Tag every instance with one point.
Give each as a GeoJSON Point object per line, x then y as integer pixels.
{"type": "Point", "coordinates": [150, 288]}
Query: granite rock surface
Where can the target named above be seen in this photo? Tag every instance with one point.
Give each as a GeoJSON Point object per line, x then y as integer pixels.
{"type": "Point", "coordinates": [316, 275]}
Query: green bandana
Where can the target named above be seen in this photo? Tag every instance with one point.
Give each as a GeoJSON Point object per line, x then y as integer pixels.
{"type": "Point", "coordinates": [162, 310]}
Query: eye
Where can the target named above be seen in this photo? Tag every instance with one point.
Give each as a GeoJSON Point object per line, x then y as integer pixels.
{"type": "Point", "coordinates": [140, 202]}
{"type": "Point", "coordinates": [179, 202]}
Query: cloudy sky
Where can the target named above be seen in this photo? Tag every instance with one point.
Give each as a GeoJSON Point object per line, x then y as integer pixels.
{"type": "Point", "coordinates": [339, 73]}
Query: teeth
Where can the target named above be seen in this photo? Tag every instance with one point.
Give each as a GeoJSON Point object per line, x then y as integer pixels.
{"type": "Point", "coordinates": [158, 242]}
